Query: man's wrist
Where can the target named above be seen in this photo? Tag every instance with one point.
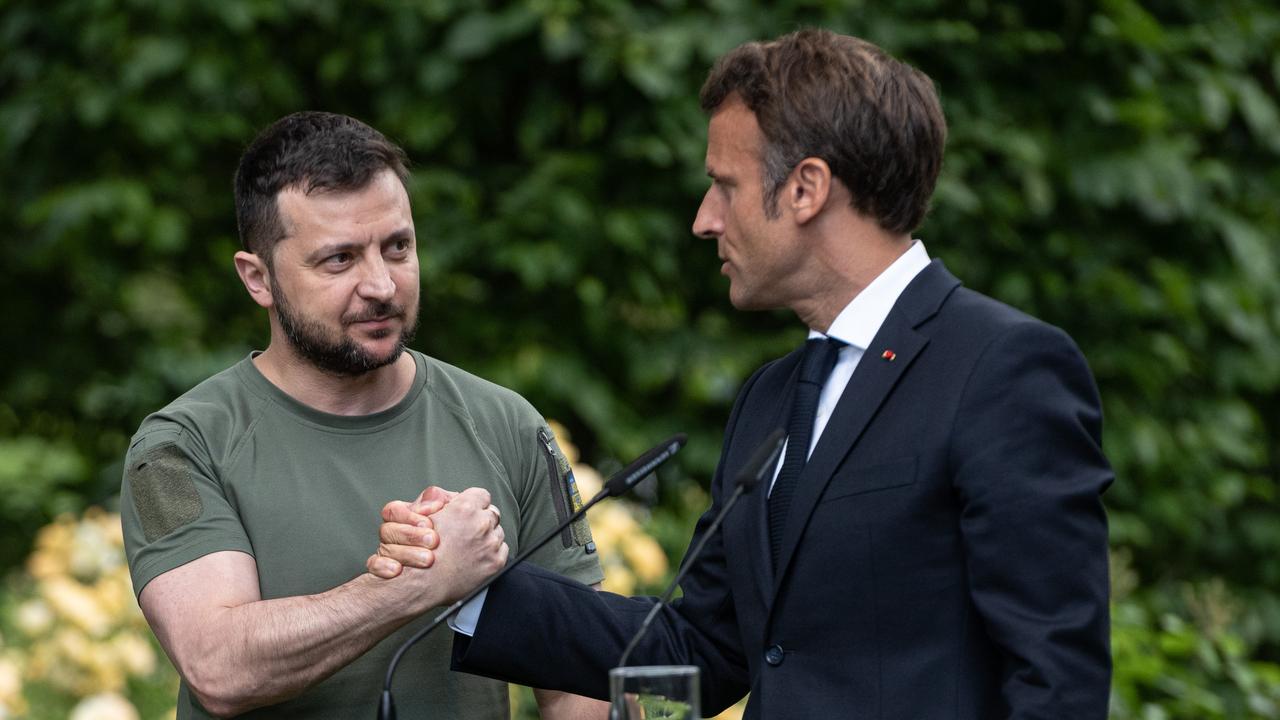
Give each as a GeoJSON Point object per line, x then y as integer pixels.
{"type": "Point", "coordinates": [405, 596]}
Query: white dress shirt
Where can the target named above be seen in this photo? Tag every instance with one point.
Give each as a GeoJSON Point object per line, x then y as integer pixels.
{"type": "Point", "coordinates": [856, 326]}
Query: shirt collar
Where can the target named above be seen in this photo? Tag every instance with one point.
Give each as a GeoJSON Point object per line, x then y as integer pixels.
{"type": "Point", "coordinates": [860, 320]}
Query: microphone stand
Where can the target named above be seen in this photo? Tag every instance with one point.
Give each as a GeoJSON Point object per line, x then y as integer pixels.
{"type": "Point", "coordinates": [762, 461]}
{"type": "Point", "coordinates": [618, 484]}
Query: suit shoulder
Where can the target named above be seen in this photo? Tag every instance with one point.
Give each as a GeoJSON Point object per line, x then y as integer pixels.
{"type": "Point", "coordinates": [985, 318]}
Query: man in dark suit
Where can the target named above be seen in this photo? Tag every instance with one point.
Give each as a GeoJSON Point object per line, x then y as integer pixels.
{"type": "Point", "coordinates": [933, 544]}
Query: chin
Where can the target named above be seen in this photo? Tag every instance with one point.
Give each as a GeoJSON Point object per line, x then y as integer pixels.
{"type": "Point", "coordinates": [386, 351]}
{"type": "Point", "coordinates": [753, 301]}
{"type": "Point", "coordinates": [743, 300]}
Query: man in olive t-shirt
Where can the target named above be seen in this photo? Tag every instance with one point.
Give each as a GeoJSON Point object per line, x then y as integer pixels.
{"type": "Point", "coordinates": [250, 503]}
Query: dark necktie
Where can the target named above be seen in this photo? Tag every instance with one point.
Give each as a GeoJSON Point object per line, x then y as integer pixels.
{"type": "Point", "coordinates": [815, 365]}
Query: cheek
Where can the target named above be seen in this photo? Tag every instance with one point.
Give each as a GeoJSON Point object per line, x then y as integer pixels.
{"type": "Point", "coordinates": [407, 281]}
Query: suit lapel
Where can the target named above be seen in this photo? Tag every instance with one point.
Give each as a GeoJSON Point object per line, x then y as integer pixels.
{"type": "Point", "coordinates": [871, 383]}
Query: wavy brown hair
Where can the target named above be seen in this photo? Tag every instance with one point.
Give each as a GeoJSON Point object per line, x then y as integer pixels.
{"type": "Point", "coordinates": [875, 121]}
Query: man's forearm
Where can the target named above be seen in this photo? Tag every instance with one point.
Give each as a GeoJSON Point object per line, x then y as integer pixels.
{"type": "Point", "coordinates": [267, 651]}
{"type": "Point", "coordinates": [238, 652]}
{"type": "Point", "coordinates": [553, 705]}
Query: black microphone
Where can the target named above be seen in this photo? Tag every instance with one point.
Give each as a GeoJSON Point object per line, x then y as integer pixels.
{"type": "Point", "coordinates": [617, 484]}
{"type": "Point", "coordinates": [639, 469]}
{"type": "Point", "coordinates": [759, 466]}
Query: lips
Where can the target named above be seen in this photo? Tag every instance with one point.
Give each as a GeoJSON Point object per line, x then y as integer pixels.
{"type": "Point", "coordinates": [375, 323]}
{"type": "Point", "coordinates": [382, 312]}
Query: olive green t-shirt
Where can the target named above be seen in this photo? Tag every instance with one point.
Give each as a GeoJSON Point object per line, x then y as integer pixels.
{"type": "Point", "coordinates": [237, 464]}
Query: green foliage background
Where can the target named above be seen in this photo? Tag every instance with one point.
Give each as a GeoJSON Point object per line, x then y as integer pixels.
{"type": "Point", "coordinates": [1112, 168]}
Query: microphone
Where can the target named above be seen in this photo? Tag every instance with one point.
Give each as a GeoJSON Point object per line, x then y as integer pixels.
{"type": "Point", "coordinates": [639, 469]}
{"type": "Point", "coordinates": [760, 464]}
{"type": "Point", "coordinates": [617, 484]}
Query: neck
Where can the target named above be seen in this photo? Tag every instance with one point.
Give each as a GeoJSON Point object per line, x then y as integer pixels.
{"type": "Point", "coordinates": [364, 394]}
{"type": "Point", "coordinates": [849, 258]}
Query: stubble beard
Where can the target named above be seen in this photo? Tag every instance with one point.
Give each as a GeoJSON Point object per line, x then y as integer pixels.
{"type": "Point", "coordinates": [344, 357]}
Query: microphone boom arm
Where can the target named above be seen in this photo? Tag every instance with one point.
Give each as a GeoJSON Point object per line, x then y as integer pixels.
{"type": "Point", "coordinates": [765, 457]}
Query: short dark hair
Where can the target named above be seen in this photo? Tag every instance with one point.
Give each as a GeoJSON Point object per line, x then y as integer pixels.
{"type": "Point", "coordinates": [875, 121]}
{"type": "Point", "coordinates": [312, 151]}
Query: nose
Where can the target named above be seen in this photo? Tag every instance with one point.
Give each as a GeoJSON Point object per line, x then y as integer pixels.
{"type": "Point", "coordinates": [709, 222]}
{"type": "Point", "coordinates": [376, 283]}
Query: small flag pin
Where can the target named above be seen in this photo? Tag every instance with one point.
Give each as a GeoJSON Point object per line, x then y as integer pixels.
{"type": "Point", "coordinates": [888, 355]}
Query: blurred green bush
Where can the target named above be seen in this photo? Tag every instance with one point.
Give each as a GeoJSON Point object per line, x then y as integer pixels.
{"type": "Point", "coordinates": [1112, 168]}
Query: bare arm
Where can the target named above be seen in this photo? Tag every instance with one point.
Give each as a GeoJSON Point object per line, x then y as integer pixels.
{"type": "Point", "coordinates": [555, 705]}
{"type": "Point", "coordinates": [238, 651]}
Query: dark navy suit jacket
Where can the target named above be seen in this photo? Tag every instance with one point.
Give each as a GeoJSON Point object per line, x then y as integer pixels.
{"type": "Point", "coordinates": [945, 556]}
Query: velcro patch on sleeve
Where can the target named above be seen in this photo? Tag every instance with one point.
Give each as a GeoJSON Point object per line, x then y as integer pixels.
{"type": "Point", "coordinates": [164, 493]}
{"type": "Point", "coordinates": [580, 528]}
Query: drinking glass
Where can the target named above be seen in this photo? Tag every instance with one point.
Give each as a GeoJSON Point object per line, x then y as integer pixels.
{"type": "Point", "coordinates": [651, 692]}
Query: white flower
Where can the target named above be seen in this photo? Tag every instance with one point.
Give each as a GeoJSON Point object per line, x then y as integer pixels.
{"type": "Point", "coordinates": [106, 706]}
{"type": "Point", "coordinates": [10, 687]}
{"type": "Point", "coordinates": [589, 480]}
{"type": "Point", "coordinates": [645, 556]}
{"type": "Point", "coordinates": [34, 618]}
{"type": "Point", "coordinates": [77, 604]}
{"type": "Point", "coordinates": [91, 553]}
{"type": "Point", "coordinates": [135, 653]}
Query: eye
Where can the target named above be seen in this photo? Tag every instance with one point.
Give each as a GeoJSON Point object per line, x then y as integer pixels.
{"type": "Point", "coordinates": [400, 247]}
{"type": "Point", "coordinates": [338, 259]}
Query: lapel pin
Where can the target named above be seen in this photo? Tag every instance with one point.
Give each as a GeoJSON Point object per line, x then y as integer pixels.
{"type": "Point", "coordinates": [888, 355]}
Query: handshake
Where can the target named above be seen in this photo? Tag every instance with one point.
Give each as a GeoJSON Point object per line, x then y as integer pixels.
{"type": "Point", "coordinates": [452, 541]}
{"type": "Point", "coordinates": [457, 541]}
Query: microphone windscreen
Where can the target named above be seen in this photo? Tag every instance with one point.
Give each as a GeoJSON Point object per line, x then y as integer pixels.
{"type": "Point", "coordinates": [639, 469]}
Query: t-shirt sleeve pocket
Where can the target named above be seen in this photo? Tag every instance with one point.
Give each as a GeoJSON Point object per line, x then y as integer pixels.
{"type": "Point", "coordinates": [164, 493]}
{"type": "Point", "coordinates": [172, 509]}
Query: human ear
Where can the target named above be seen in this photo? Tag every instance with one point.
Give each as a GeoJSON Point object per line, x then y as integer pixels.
{"type": "Point", "coordinates": [256, 277]}
{"type": "Point", "coordinates": [809, 188]}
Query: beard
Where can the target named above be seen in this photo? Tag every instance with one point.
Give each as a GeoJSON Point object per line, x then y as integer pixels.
{"type": "Point", "coordinates": [314, 342]}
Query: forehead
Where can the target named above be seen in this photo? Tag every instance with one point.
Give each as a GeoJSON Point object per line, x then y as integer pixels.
{"type": "Point", "coordinates": [376, 210]}
{"type": "Point", "coordinates": [734, 139]}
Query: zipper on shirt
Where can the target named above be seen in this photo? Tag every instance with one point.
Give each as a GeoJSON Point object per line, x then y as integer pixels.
{"type": "Point", "coordinates": [559, 494]}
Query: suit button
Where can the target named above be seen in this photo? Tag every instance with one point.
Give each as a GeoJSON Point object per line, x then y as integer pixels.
{"type": "Point", "coordinates": [774, 655]}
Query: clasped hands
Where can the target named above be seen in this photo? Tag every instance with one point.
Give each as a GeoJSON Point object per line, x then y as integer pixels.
{"type": "Point", "coordinates": [457, 535]}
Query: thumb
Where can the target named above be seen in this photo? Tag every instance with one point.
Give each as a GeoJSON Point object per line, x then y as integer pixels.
{"type": "Point", "coordinates": [436, 494]}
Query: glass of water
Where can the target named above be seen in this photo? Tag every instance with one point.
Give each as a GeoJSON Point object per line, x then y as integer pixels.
{"type": "Point", "coordinates": [649, 692]}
